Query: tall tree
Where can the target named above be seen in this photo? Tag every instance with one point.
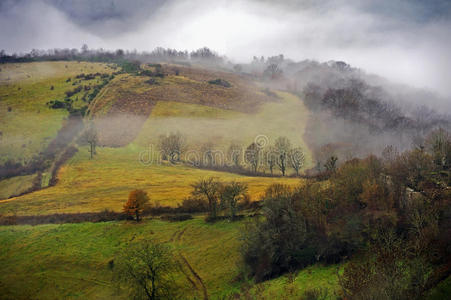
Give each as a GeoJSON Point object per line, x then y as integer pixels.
{"type": "Point", "coordinates": [91, 138]}
{"type": "Point", "coordinates": [208, 188]}
{"type": "Point", "coordinates": [283, 147]}
{"type": "Point", "coordinates": [252, 156]}
{"type": "Point", "coordinates": [296, 159]}
{"type": "Point", "coordinates": [231, 194]}
{"type": "Point", "coordinates": [271, 157]}
{"type": "Point", "coordinates": [234, 154]}
{"type": "Point", "coordinates": [146, 270]}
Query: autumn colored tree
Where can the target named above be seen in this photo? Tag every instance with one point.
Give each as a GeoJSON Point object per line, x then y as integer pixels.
{"type": "Point", "coordinates": [137, 199]}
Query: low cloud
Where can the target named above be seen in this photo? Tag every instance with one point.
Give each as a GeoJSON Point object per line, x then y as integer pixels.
{"type": "Point", "coordinates": [405, 41]}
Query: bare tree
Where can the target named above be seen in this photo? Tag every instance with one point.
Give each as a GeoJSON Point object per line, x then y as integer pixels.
{"type": "Point", "coordinates": [273, 71]}
{"type": "Point", "coordinates": [282, 146]}
{"type": "Point", "coordinates": [207, 152]}
{"type": "Point", "coordinates": [172, 146]}
{"type": "Point", "coordinates": [296, 159]}
{"type": "Point", "coordinates": [231, 194]}
{"type": "Point", "coordinates": [145, 270]}
{"type": "Point", "coordinates": [90, 137]}
{"type": "Point", "coordinates": [234, 154]}
{"type": "Point", "coordinates": [271, 157]}
{"type": "Point", "coordinates": [208, 188]}
{"type": "Point", "coordinates": [331, 164]}
{"type": "Point", "coordinates": [252, 156]}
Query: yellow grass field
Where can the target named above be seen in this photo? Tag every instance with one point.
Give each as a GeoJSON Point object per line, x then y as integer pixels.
{"type": "Point", "coordinates": [104, 183]}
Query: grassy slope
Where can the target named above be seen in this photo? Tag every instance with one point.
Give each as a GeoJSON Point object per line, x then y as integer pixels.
{"type": "Point", "coordinates": [25, 88]}
{"type": "Point", "coordinates": [93, 185]}
{"type": "Point", "coordinates": [87, 185]}
{"type": "Point", "coordinates": [286, 117]}
{"type": "Point", "coordinates": [71, 260]}
{"type": "Point", "coordinates": [27, 125]}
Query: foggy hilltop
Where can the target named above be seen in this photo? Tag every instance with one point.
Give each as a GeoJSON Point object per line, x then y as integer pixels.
{"type": "Point", "coordinates": [404, 41]}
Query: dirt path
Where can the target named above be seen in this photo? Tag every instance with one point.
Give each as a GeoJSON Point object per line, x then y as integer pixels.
{"type": "Point", "coordinates": [197, 282]}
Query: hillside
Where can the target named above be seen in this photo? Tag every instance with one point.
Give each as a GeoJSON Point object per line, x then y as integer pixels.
{"type": "Point", "coordinates": [78, 137]}
{"type": "Point", "coordinates": [131, 114]}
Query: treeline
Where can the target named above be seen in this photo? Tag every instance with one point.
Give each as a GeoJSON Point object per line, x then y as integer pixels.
{"type": "Point", "coordinates": [362, 103]}
{"type": "Point", "coordinates": [389, 216]}
{"type": "Point", "coordinates": [202, 55]}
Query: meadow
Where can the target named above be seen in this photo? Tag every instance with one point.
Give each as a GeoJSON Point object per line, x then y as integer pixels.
{"type": "Point", "coordinates": [76, 261]}
{"type": "Point", "coordinates": [104, 182]}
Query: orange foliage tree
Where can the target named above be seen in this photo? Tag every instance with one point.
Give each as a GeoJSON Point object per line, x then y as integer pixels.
{"type": "Point", "coordinates": [137, 199]}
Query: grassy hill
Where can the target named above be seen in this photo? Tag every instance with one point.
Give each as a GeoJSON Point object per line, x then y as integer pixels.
{"type": "Point", "coordinates": [72, 261]}
{"type": "Point", "coordinates": [130, 113]}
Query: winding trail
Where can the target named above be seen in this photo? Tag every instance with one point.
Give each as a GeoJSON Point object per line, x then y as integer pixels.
{"type": "Point", "coordinates": [197, 282]}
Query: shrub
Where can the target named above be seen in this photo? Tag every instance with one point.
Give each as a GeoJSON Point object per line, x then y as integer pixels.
{"type": "Point", "coordinates": [220, 82]}
{"type": "Point", "coordinates": [193, 205]}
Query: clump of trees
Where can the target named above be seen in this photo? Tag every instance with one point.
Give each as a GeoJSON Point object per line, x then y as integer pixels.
{"type": "Point", "coordinates": [146, 270]}
{"type": "Point", "coordinates": [281, 155]}
{"type": "Point", "coordinates": [172, 146]}
{"type": "Point", "coordinates": [391, 210]}
{"type": "Point", "coordinates": [137, 201]}
{"type": "Point", "coordinates": [220, 196]}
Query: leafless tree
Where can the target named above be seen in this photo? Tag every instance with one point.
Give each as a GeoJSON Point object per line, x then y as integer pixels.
{"type": "Point", "coordinates": [172, 146]}
{"type": "Point", "coordinates": [90, 137]}
{"type": "Point", "coordinates": [296, 159]}
{"type": "Point", "coordinates": [234, 154]}
{"type": "Point", "coordinates": [252, 156]}
{"type": "Point", "coordinates": [283, 147]}
{"type": "Point", "coordinates": [208, 188]}
{"type": "Point", "coordinates": [271, 157]}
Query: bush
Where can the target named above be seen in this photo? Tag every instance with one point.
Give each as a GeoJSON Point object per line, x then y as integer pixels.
{"type": "Point", "coordinates": [220, 82]}
{"type": "Point", "coordinates": [193, 205]}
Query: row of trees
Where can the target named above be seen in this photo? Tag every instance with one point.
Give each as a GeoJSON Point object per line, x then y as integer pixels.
{"type": "Point", "coordinates": [221, 196]}
{"type": "Point", "coordinates": [256, 157]}
{"type": "Point", "coordinates": [159, 54]}
{"type": "Point", "coordinates": [209, 193]}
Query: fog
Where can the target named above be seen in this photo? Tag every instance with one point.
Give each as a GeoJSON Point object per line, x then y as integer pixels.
{"type": "Point", "coordinates": [404, 41]}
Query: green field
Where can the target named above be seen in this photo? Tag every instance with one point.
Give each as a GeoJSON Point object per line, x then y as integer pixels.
{"type": "Point", "coordinates": [71, 261]}
{"type": "Point", "coordinates": [26, 122]}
